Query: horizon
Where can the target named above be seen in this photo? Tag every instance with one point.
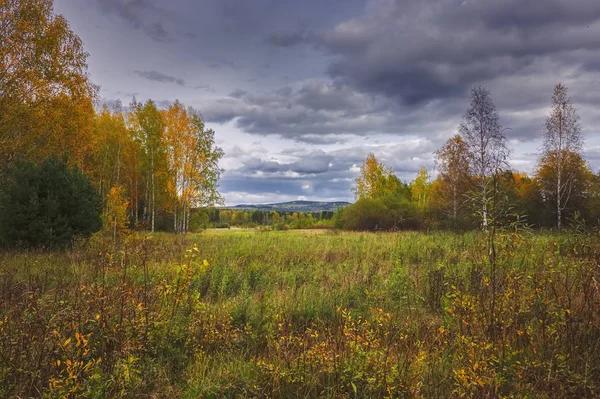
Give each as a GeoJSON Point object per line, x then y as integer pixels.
{"type": "Point", "coordinates": [299, 93]}
{"type": "Point", "coordinates": [281, 203]}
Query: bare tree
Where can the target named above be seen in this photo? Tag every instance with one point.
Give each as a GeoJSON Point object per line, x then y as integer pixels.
{"type": "Point", "coordinates": [562, 138]}
{"type": "Point", "coordinates": [482, 133]}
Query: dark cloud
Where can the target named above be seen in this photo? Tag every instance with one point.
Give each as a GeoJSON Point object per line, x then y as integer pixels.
{"type": "Point", "coordinates": [285, 38]}
{"type": "Point", "coordinates": [160, 77]}
{"type": "Point", "coordinates": [326, 112]}
{"type": "Point", "coordinates": [238, 93]}
{"type": "Point", "coordinates": [418, 51]}
{"type": "Point", "coordinates": [218, 63]}
{"type": "Point", "coordinates": [140, 14]}
{"type": "Point", "coordinates": [337, 80]}
{"type": "Point", "coordinates": [322, 139]}
{"type": "Point", "coordinates": [401, 58]}
{"type": "Point", "coordinates": [205, 87]}
{"type": "Point", "coordinates": [315, 162]}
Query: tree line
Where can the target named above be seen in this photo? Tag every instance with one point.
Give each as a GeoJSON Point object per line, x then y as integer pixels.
{"type": "Point", "coordinates": [277, 220]}
{"type": "Point", "coordinates": [475, 187]}
{"type": "Point", "coordinates": [148, 167]}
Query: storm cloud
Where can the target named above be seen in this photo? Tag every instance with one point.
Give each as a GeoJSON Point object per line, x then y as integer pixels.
{"type": "Point", "coordinates": [160, 77]}
{"type": "Point", "coordinates": [300, 92]}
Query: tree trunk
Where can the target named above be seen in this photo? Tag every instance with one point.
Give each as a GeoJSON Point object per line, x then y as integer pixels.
{"type": "Point", "coordinates": [484, 200]}
{"type": "Point", "coordinates": [153, 189]}
{"type": "Point", "coordinates": [187, 221]}
{"type": "Point", "coordinates": [175, 220]}
{"type": "Point", "coordinates": [558, 174]}
{"type": "Point", "coordinates": [136, 202]}
{"type": "Point", "coordinates": [558, 208]}
{"type": "Point", "coordinates": [146, 201]}
{"type": "Point", "coordinates": [454, 204]}
{"type": "Point", "coordinates": [118, 165]}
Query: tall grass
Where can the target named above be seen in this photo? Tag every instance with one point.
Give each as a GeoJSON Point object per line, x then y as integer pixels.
{"type": "Point", "coordinates": [303, 314]}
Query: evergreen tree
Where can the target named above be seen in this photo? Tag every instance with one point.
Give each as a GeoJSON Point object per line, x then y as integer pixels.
{"type": "Point", "coordinates": [47, 205]}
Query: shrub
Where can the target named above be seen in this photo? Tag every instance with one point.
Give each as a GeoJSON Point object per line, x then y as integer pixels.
{"type": "Point", "coordinates": [47, 205]}
{"type": "Point", "coordinates": [365, 214]}
{"type": "Point", "coordinates": [387, 213]}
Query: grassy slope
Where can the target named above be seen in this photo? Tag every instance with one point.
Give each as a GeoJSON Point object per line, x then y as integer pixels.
{"type": "Point", "coordinates": [303, 313]}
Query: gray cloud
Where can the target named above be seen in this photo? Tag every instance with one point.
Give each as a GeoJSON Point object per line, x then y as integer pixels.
{"type": "Point", "coordinates": [218, 63]}
{"type": "Point", "coordinates": [403, 57]}
{"type": "Point", "coordinates": [205, 87]}
{"type": "Point", "coordinates": [315, 162]}
{"type": "Point", "coordinates": [322, 112]}
{"type": "Point", "coordinates": [140, 14]}
{"type": "Point", "coordinates": [593, 155]}
{"type": "Point", "coordinates": [238, 93]}
{"type": "Point", "coordinates": [327, 174]}
{"type": "Point", "coordinates": [284, 38]}
{"type": "Point", "coordinates": [337, 80]}
{"type": "Point", "coordinates": [417, 51]}
{"type": "Point", "coordinates": [160, 77]}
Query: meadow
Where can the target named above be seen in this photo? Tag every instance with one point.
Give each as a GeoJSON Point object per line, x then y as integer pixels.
{"type": "Point", "coordinates": [287, 314]}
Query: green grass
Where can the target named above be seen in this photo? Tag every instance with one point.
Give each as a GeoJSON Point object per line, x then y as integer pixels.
{"type": "Point", "coordinates": [241, 313]}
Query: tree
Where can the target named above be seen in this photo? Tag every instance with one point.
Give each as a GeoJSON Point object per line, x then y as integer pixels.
{"type": "Point", "coordinates": [275, 217]}
{"type": "Point", "coordinates": [45, 94]}
{"type": "Point", "coordinates": [579, 174]}
{"type": "Point", "coordinates": [452, 162]}
{"type": "Point", "coordinates": [420, 189]}
{"type": "Point", "coordinates": [115, 215]}
{"type": "Point", "coordinates": [205, 162]}
{"type": "Point", "coordinates": [47, 204]}
{"type": "Point", "coordinates": [149, 130]}
{"type": "Point", "coordinates": [523, 195]}
{"type": "Point", "coordinates": [562, 140]}
{"type": "Point", "coordinates": [112, 161]}
{"type": "Point", "coordinates": [180, 145]}
{"type": "Point", "coordinates": [376, 180]}
{"type": "Point", "coordinates": [192, 162]}
{"type": "Point", "coordinates": [592, 204]}
{"type": "Point", "coordinates": [483, 135]}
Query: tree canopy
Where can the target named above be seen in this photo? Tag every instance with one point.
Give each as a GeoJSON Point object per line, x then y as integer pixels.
{"type": "Point", "coordinates": [45, 94]}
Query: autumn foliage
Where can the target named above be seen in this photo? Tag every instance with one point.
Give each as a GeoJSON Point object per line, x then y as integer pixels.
{"type": "Point", "coordinates": [150, 166]}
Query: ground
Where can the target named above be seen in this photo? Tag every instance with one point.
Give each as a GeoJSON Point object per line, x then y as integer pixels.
{"type": "Point", "coordinates": [315, 313]}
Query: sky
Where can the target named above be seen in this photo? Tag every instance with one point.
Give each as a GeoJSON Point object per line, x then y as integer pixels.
{"type": "Point", "coordinates": [300, 92]}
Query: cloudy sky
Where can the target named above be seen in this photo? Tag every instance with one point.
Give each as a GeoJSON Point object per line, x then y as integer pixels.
{"type": "Point", "coordinates": [299, 92]}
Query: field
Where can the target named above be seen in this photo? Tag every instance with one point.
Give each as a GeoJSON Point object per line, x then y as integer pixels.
{"type": "Point", "coordinates": [304, 314]}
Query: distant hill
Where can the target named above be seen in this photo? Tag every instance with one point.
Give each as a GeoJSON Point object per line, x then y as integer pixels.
{"type": "Point", "coordinates": [294, 206]}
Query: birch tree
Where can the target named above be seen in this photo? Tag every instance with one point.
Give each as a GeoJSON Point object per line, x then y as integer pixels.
{"type": "Point", "coordinates": [483, 135]}
{"type": "Point", "coordinates": [150, 132]}
{"type": "Point", "coordinates": [563, 139]}
{"type": "Point", "coordinates": [192, 159]}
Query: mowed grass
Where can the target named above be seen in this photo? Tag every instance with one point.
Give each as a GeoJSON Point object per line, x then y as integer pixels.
{"type": "Point", "coordinates": [244, 313]}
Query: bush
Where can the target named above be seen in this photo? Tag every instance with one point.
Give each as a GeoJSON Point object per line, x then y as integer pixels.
{"type": "Point", "coordinates": [402, 214]}
{"type": "Point", "coordinates": [386, 213]}
{"type": "Point", "coordinates": [365, 214]}
{"type": "Point", "coordinates": [47, 205]}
